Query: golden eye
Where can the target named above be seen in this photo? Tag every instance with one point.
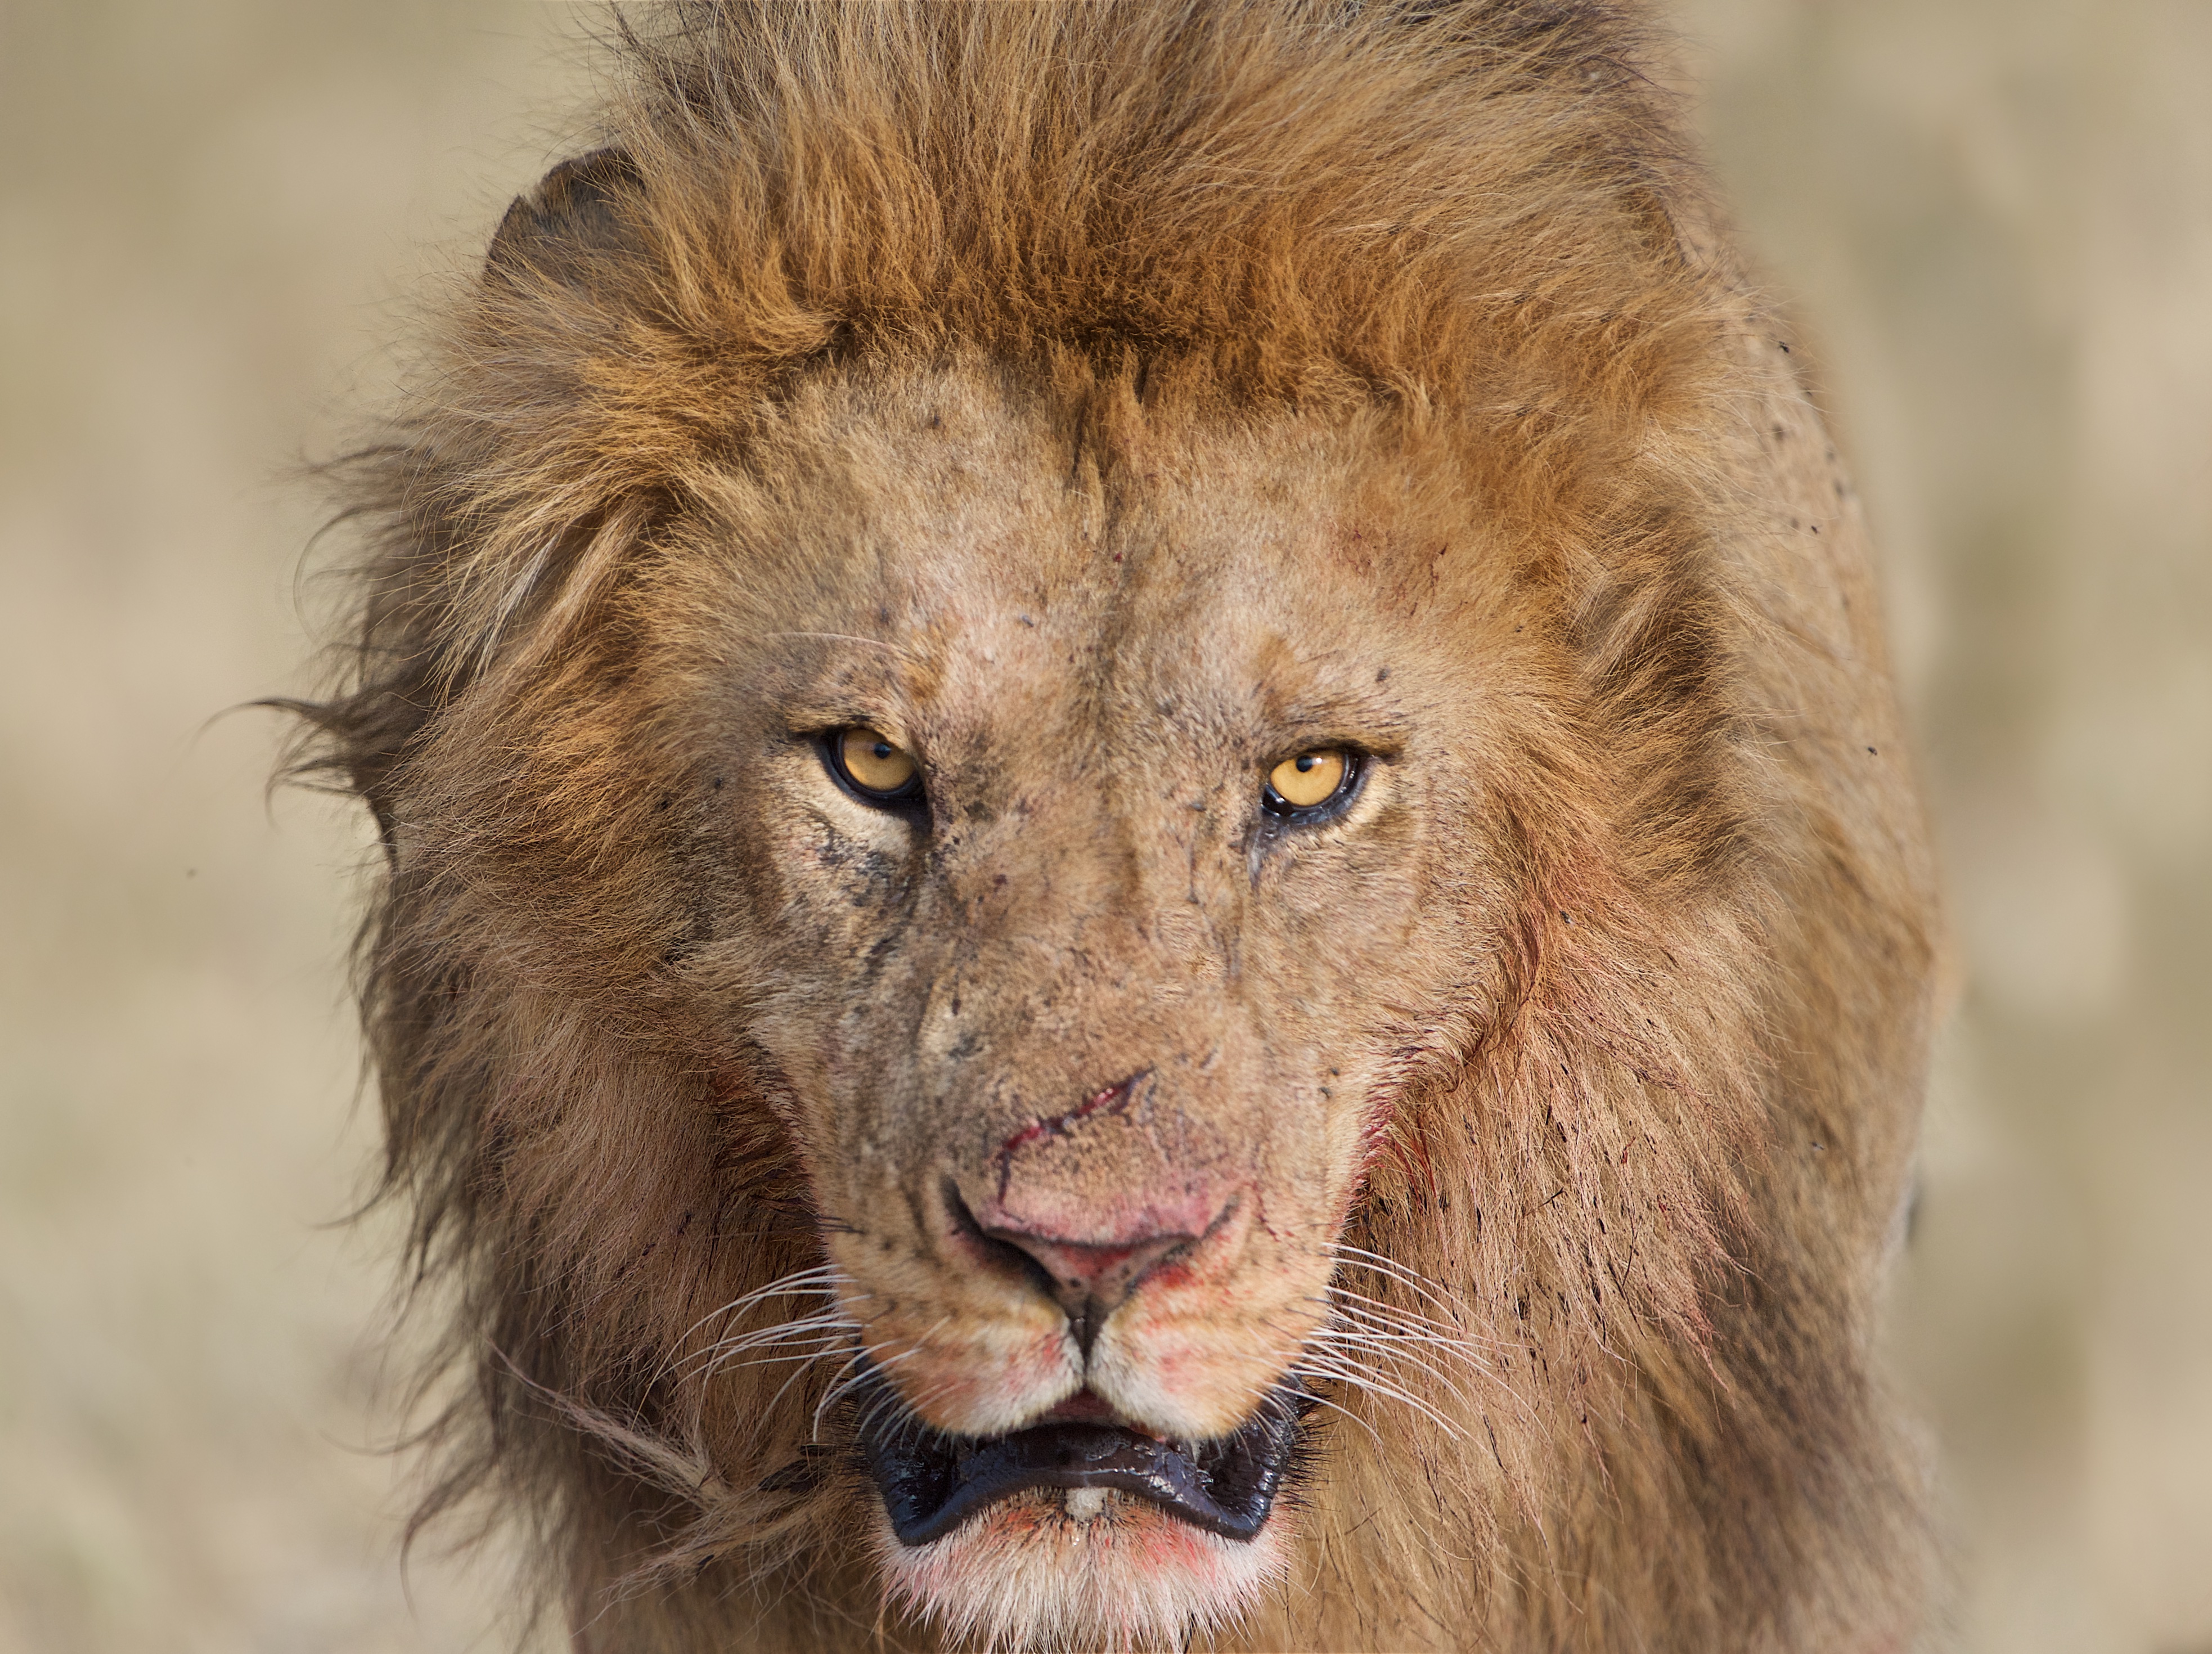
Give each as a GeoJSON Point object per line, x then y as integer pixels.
{"type": "Point", "coordinates": [1309, 779]}
{"type": "Point", "coordinates": [874, 766]}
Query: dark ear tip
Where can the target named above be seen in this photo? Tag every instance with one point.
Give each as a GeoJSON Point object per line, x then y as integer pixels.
{"type": "Point", "coordinates": [574, 208]}
{"type": "Point", "coordinates": [589, 182]}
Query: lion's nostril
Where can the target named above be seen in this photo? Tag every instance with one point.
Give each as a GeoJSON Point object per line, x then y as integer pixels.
{"type": "Point", "coordinates": [1090, 1281]}
{"type": "Point", "coordinates": [1082, 1272]}
{"type": "Point", "coordinates": [1013, 1259]}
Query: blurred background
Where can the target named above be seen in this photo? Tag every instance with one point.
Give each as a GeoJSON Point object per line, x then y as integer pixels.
{"type": "Point", "coordinates": [1995, 216]}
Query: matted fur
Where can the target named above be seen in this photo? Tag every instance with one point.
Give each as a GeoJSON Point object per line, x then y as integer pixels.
{"type": "Point", "coordinates": [1330, 370]}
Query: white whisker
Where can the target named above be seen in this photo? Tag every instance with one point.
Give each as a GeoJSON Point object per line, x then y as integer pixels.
{"type": "Point", "coordinates": [1339, 1293]}
{"type": "Point", "coordinates": [838, 1384]}
{"type": "Point", "coordinates": [1339, 1406]}
{"type": "Point", "coordinates": [1361, 1378]}
{"type": "Point", "coordinates": [842, 1386]}
{"type": "Point", "coordinates": [840, 637]}
{"type": "Point", "coordinates": [1354, 1346]}
{"type": "Point", "coordinates": [1415, 1328]}
{"type": "Point", "coordinates": [781, 1332]}
{"type": "Point", "coordinates": [822, 1346]}
{"type": "Point", "coordinates": [819, 1279]}
{"type": "Point", "coordinates": [1458, 1349]}
{"type": "Point", "coordinates": [886, 1397]}
{"type": "Point", "coordinates": [800, 1372]}
{"type": "Point", "coordinates": [1435, 1291]}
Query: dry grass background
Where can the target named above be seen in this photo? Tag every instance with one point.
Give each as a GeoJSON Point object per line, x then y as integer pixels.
{"type": "Point", "coordinates": [1998, 215]}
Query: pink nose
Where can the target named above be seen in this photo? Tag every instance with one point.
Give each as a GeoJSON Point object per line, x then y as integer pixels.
{"type": "Point", "coordinates": [1103, 1274]}
{"type": "Point", "coordinates": [1090, 1281]}
{"type": "Point", "coordinates": [1091, 1203]}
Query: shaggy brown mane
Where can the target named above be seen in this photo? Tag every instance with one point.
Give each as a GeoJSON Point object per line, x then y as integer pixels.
{"type": "Point", "coordinates": [1636, 1156]}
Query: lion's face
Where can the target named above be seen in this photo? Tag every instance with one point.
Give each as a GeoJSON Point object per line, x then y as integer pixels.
{"type": "Point", "coordinates": [1100, 725]}
{"type": "Point", "coordinates": [1085, 1032]}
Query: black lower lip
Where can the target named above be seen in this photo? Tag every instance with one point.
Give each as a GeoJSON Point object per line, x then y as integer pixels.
{"type": "Point", "coordinates": [931, 1483]}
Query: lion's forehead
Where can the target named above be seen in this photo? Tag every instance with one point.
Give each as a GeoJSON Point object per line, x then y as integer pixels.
{"type": "Point", "coordinates": [989, 563]}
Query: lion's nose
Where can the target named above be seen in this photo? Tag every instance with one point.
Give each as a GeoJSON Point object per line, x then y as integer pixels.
{"type": "Point", "coordinates": [1088, 1280]}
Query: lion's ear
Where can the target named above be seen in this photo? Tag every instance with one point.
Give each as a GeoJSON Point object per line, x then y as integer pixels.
{"type": "Point", "coordinates": [573, 216]}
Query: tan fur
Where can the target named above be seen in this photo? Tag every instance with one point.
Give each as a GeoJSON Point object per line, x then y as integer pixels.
{"type": "Point", "coordinates": [1106, 400]}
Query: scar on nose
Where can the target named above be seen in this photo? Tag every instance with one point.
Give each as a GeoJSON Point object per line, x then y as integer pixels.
{"type": "Point", "coordinates": [1112, 1100]}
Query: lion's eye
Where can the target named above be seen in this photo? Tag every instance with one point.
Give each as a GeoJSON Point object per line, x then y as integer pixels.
{"type": "Point", "coordinates": [1309, 779]}
{"type": "Point", "coordinates": [873, 766]}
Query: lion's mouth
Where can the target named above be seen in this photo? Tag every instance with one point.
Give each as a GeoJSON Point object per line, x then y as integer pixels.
{"type": "Point", "coordinates": [931, 1483]}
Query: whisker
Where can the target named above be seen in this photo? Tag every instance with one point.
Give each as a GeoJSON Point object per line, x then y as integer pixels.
{"type": "Point", "coordinates": [1349, 1347]}
{"type": "Point", "coordinates": [1324, 1356]}
{"type": "Point", "coordinates": [1471, 1357]}
{"type": "Point", "coordinates": [874, 1376]}
{"type": "Point", "coordinates": [840, 637]}
{"type": "Point", "coordinates": [1413, 1326]}
{"type": "Point", "coordinates": [1434, 1290]}
{"type": "Point", "coordinates": [1458, 1350]}
{"type": "Point", "coordinates": [821, 1317]}
{"type": "Point", "coordinates": [887, 1398]}
{"type": "Point", "coordinates": [1392, 1269]}
{"type": "Point", "coordinates": [1315, 1396]}
{"type": "Point", "coordinates": [1360, 1378]}
{"type": "Point", "coordinates": [842, 1386]}
{"type": "Point", "coordinates": [723, 1358]}
{"type": "Point", "coordinates": [1341, 1293]}
{"type": "Point", "coordinates": [824, 1346]}
{"type": "Point", "coordinates": [781, 1332]}
{"type": "Point", "coordinates": [838, 1384]}
{"type": "Point", "coordinates": [820, 1278]}
{"type": "Point", "coordinates": [800, 1372]}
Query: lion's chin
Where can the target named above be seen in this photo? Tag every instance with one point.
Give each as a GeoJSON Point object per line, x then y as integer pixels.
{"type": "Point", "coordinates": [1086, 1568]}
{"type": "Point", "coordinates": [1082, 1531]}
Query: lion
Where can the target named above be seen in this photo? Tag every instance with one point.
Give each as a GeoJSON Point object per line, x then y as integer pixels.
{"type": "Point", "coordinates": [1149, 879]}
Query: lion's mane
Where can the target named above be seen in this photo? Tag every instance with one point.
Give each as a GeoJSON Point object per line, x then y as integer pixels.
{"type": "Point", "coordinates": [1646, 1171]}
